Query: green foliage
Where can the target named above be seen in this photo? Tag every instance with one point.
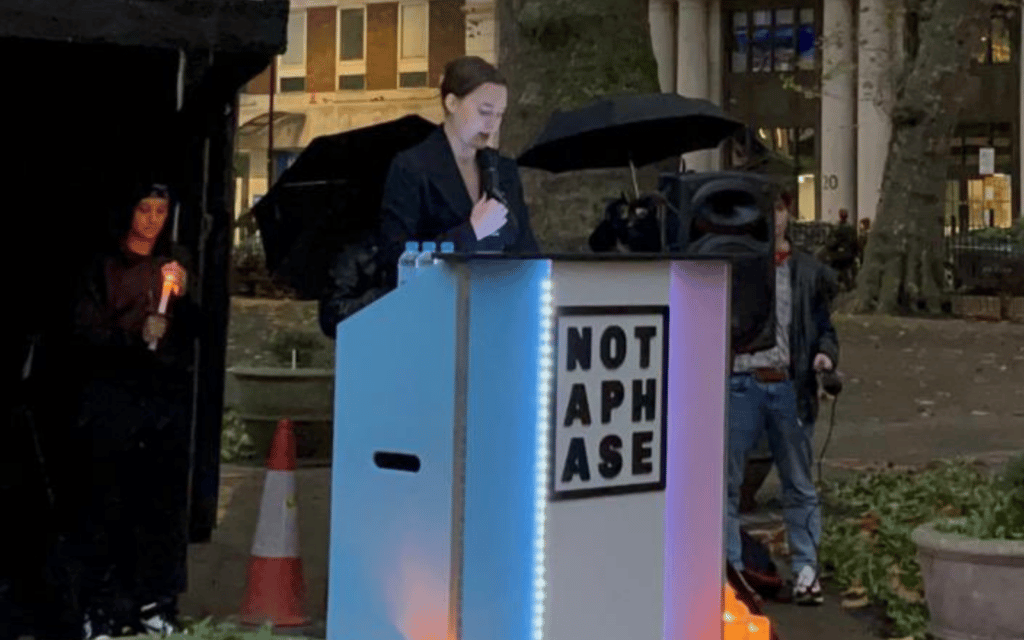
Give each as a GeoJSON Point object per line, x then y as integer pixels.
{"type": "Point", "coordinates": [1000, 516]}
{"type": "Point", "coordinates": [236, 445]}
{"type": "Point", "coordinates": [303, 343]}
{"type": "Point", "coordinates": [868, 522]}
{"type": "Point", "coordinates": [1013, 234]}
{"type": "Point", "coordinates": [209, 630]}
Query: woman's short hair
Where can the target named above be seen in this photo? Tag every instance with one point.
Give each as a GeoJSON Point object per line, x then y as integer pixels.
{"type": "Point", "coordinates": [463, 75]}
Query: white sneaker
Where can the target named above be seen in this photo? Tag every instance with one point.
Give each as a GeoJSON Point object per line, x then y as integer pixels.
{"type": "Point", "coordinates": [807, 590]}
{"type": "Point", "coordinates": [155, 621]}
{"type": "Point", "coordinates": [96, 628]}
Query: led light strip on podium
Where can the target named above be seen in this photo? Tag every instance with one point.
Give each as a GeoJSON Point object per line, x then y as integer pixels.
{"type": "Point", "coordinates": [532, 448]}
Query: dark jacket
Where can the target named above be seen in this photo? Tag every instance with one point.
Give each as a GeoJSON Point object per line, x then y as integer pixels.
{"type": "Point", "coordinates": [356, 278]}
{"type": "Point", "coordinates": [425, 199]}
{"type": "Point", "coordinates": [811, 332]}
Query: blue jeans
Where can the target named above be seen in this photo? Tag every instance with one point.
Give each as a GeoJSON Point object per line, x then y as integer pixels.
{"type": "Point", "coordinates": [755, 409]}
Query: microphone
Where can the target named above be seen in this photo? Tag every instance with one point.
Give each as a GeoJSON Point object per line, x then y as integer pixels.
{"type": "Point", "coordinates": [487, 160]}
{"type": "Point", "coordinates": [831, 382]}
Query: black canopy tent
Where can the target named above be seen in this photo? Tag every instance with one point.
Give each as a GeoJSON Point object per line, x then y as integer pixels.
{"type": "Point", "coordinates": [94, 92]}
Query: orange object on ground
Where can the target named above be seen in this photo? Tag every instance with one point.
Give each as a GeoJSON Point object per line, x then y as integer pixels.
{"type": "Point", "coordinates": [740, 624]}
{"type": "Point", "coordinates": [275, 588]}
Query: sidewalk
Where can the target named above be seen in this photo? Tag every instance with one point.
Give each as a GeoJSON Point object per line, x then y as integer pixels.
{"type": "Point", "coordinates": [217, 569]}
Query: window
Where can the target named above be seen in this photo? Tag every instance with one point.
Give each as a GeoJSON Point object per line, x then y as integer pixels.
{"type": "Point", "coordinates": [806, 40]}
{"type": "Point", "coordinates": [761, 51]}
{"type": "Point", "coordinates": [283, 160]}
{"type": "Point", "coordinates": [783, 44]}
{"type": "Point", "coordinates": [773, 40]}
{"type": "Point", "coordinates": [975, 200]}
{"type": "Point", "coordinates": [741, 41]}
{"type": "Point", "coordinates": [996, 40]}
{"type": "Point", "coordinates": [292, 64]}
{"type": "Point", "coordinates": [351, 48]}
{"type": "Point", "coordinates": [413, 37]}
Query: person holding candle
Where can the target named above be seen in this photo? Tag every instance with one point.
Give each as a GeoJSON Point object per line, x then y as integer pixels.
{"type": "Point", "coordinates": [127, 494]}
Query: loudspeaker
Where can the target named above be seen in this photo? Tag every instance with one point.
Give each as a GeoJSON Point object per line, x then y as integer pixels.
{"type": "Point", "coordinates": [731, 214]}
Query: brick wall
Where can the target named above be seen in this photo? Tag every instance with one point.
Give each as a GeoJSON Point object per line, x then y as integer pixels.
{"type": "Point", "coordinates": [321, 49]}
{"type": "Point", "coordinates": [447, 36]}
{"type": "Point", "coordinates": [381, 46]}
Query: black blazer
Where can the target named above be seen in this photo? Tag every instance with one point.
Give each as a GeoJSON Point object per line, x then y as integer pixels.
{"type": "Point", "coordinates": [425, 199]}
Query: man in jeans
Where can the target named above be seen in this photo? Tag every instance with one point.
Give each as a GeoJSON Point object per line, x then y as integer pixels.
{"type": "Point", "coordinates": [775, 393]}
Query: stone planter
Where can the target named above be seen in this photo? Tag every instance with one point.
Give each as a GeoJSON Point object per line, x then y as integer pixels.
{"type": "Point", "coordinates": [973, 587]}
{"type": "Point", "coordinates": [266, 395]}
{"type": "Point", "coordinates": [977, 307]}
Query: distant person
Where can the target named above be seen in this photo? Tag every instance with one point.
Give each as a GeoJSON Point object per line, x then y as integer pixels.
{"type": "Point", "coordinates": [862, 239]}
{"type": "Point", "coordinates": [774, 394]}
{"type": "Point", "coordinates": [128, 486]}
{"type": "Point", "coordinates": [841, 250]}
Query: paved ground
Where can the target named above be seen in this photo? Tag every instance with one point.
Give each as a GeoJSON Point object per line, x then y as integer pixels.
{"type": "Point", "coordinates": [915, 390]}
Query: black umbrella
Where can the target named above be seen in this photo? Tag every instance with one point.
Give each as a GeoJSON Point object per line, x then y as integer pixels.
{"type": "Point", "coordinates": [329, 197]}
{"type": "Point", "coordinates": [628, 130]}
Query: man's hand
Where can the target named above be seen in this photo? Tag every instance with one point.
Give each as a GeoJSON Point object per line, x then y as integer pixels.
{"type": "Point", "coordinates": [154, 328]}
{"type": "Point", "coordinates": [176, 274]}
{"type": "Point", "coordinates": [823, 363]}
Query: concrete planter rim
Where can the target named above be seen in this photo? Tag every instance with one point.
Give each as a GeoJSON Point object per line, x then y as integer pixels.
{"type": "Point", "coordinates": [280, 372]}
{"type": "Point", "coordinates": [928, 539]}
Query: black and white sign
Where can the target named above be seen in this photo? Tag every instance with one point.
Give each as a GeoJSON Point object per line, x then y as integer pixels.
{"type": "Point", "coordinates": [610, 399]}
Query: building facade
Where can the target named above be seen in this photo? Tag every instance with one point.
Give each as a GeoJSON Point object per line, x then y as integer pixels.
{"type": "Point", "coordinates": [813, 79]}
{"type": "Point", "coordinates": [350, 64]}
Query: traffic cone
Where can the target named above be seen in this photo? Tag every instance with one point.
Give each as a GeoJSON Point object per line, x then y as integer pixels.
{"type": "Point", "coordinates": [275, 589]}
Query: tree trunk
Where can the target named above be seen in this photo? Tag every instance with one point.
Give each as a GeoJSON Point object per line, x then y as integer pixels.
{"type": "Point", "coordinates": [560, 54]}
{"type": "Point", "coordinates": [903, 264]}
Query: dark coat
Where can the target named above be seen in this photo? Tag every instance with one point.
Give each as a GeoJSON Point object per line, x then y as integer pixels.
{"type": "Point", "coordinates": [425, 199]}
{"type": "Point", "coordinates": [811, 332]}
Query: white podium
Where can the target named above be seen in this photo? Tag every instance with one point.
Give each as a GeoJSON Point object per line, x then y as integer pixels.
{"type": "Point", "coordinates": [533, 448]}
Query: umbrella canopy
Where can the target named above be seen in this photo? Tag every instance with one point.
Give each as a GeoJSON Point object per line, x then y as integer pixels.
{"type": "Point", "coordinates": [329, 198]}
{"type": "Point", "coordinates": [620, 131]}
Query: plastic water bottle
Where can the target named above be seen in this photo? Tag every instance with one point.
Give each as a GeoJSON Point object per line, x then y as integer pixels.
{"type": "Point", "coordinates": [407, 262]}
{"type": "Point", "coordinates": [426, 256]}
{"type": "Point", "coordinates": [446, 247]}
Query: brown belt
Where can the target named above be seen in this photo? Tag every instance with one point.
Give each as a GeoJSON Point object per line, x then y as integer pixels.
{"type": "Point", "coordinates": [770, 374]}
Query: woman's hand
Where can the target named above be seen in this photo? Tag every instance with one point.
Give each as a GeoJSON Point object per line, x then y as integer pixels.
{"type": "Point", "coordinates": [487, 217]}
{"type": "Point", "coordinates": [175, 273]}
{"type": "Point", "coordinates": [154, 328]}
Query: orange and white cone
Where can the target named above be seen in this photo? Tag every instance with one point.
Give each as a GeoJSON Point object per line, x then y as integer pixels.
{"type": "Point", "coordinates": [275, 589]}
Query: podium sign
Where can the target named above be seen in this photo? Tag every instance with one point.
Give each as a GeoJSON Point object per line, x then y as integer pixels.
{"type": "Point", "coordinates": [531, 448]}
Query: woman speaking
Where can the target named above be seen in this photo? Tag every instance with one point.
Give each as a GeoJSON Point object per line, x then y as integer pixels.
{"type": "Point", "coordinates": [453, 187]}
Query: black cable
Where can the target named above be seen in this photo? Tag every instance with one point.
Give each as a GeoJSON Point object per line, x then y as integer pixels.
{"type": "Point", "coordinates": [817, 502]}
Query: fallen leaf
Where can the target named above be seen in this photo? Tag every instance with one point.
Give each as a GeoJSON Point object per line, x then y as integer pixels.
{"type": "Point", "coordinates": [950, 511]}
{"type": "Point", "coordinates": [869, 523]}
{"type": "Point", "coordinates": [856, 591]}
{"type": "Point", "coordinates": [900, 589]}
{"type": "Point", "coordinates": [858, 603]}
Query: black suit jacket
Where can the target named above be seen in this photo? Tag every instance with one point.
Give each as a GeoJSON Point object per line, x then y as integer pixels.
{"type": "Point", "coordinates": [425, 199]}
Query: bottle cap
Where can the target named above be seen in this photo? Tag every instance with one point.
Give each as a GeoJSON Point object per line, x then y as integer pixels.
{"type": "Point", "coordinates": [429, 246]}
{"type": "Point", "coordinates": [447, 247]}
{"type": "Point", "coordinates": [412, 246]}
